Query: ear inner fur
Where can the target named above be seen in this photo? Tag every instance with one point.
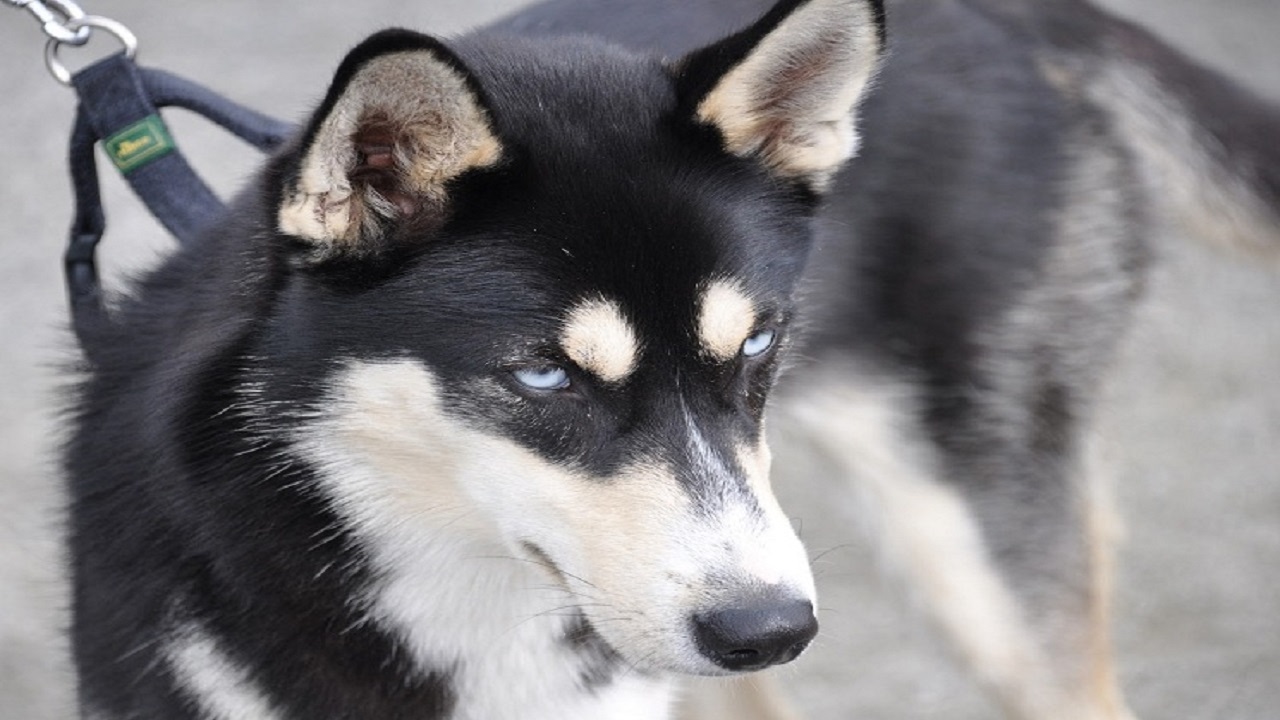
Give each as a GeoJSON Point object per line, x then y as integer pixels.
{"type": "Point", "coordinates": [376, 165]}
{"type": "Point", "coordinates": [397, 127]}
{"type": "Point", "coordinates": [784, 91]}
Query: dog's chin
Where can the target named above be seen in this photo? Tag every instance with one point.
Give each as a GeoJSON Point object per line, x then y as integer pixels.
{"type": "Point", "coordinates": [653, 651]}
{"type": "Point", "coordinates": [660, 653]}
{"type": "Point", "coordinates": [707, 669]}
{"type": "Point", "coordinates": [647, 661]}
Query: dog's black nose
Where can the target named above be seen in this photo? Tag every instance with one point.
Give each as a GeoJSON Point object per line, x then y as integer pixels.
{"type": "Point", "coordinates": [756, 633]}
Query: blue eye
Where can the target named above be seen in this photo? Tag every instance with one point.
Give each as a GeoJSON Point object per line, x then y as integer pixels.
{"type": "Point", "coordinates": [543, 377]}
{"type": "Point", "coordinates": [758, 343]}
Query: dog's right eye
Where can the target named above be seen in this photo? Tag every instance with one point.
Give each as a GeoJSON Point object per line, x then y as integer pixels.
{"type": "Point", "coordinates": [757, 344]}
{"type": "Point", "coordinates": [542, 377]}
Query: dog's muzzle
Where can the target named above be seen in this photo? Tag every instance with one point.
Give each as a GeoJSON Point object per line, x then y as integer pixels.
{"type": "Point", "coordinates": [753, 632]}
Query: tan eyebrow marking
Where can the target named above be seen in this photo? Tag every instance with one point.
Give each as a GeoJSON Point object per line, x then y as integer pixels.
{"type": "Point", "coordinates": [599, 339]}
{"type": "Point", "coordinates": [725, 318]}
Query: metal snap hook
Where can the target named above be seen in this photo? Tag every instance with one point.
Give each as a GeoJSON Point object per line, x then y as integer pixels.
{"type": "Point", "coordinates": [87, 23]}
{"type": "Point", "coordinates": [47, 14]}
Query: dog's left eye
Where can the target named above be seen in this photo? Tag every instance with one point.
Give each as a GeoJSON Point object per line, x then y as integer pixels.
{"type": "Point", "coordinates": [542, 377]}
{"type": "Point", "coordinates": [757, 344]}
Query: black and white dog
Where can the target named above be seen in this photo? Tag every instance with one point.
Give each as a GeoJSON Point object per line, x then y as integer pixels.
{"type": "Point", "coordinates": [459, 412]}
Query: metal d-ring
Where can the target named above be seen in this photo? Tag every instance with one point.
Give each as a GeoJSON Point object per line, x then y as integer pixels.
{"type": "Point", "coordinates": [122, 33]}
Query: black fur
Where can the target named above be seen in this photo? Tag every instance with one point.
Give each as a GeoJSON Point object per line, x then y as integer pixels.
{"type": "Point", "coordinates": [600, 663]}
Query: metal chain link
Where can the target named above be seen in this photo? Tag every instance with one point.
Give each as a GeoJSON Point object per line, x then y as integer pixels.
{"type": "Point", "coordinates": [65, 23]}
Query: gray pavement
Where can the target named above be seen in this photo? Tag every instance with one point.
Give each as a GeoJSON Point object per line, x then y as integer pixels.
{"type": "Point", "coordinates": [1192, 423]}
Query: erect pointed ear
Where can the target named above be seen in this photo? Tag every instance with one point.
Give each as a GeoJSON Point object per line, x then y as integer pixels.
{"type": "Point", "coordinates": [785, 90]}
{"type": "Point", "coordinates": [402, 118]}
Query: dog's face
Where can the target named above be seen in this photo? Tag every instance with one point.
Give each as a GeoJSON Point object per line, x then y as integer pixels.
{"type": "Point", "coordinates": [558, 285]}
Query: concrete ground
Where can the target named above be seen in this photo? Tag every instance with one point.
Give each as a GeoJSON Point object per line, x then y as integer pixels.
{"type": "Point", "coordinates": [1193, 420]}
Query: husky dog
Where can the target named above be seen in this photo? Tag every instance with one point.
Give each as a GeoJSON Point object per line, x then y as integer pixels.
{"type": "Point", "coordinates": [459, 412]}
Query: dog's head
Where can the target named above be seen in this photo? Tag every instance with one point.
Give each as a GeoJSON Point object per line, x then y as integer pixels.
{"type": "Point", "coordinates": [560, 278]}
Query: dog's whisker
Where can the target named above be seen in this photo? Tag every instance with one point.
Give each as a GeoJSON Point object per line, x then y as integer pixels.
{"type": "Point", "coordinates": [843, 546]}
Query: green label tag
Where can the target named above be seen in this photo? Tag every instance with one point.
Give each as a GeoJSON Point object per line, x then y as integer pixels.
{"type": "Point", "coordinates": [139, 144]}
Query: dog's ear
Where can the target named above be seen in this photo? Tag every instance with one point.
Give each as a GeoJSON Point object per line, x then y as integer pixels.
{"type": "Point", "coordinates": [402, 119]}
{"type": "Point", "coordinates": [785, 90]}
